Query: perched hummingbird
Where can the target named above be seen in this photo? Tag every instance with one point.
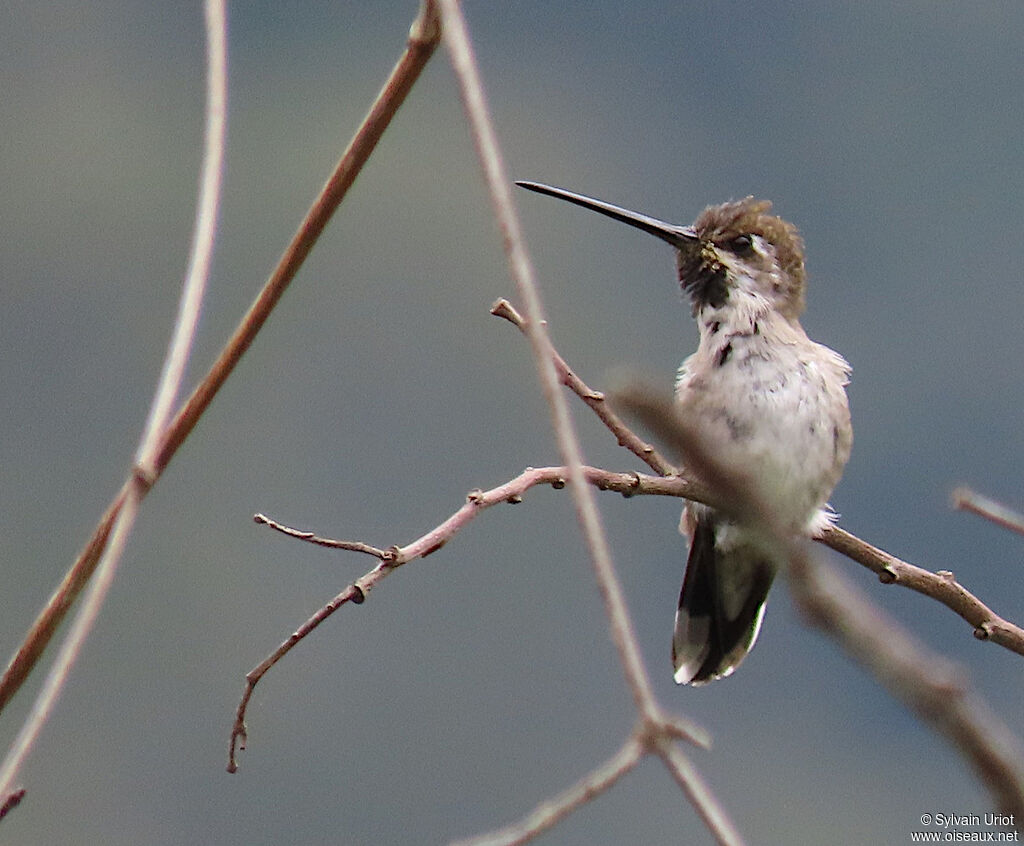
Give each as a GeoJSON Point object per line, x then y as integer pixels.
{"type": "Point", "coordinates": [770, 402]}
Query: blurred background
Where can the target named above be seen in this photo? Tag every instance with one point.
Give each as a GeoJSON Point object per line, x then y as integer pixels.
{"type": "Point", "coordinates": [480, 681]}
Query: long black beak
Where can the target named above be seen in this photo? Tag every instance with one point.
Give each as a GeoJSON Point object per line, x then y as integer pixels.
{"type": "Point", "coordinates": [678, 236]}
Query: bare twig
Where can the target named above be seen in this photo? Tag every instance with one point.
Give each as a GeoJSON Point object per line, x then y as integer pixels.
{"type": "Point", "coordinates": [457, 41]}
{"type": "Point", "coordinates": [310, 537]}
{"type": "Point", "coordinates": [940, 585]}
{"type": "Point", "coordinates": [203, 240]}
{"type": "Point", "coordinates": [552, 811]}
{"type": "Point", "coordinates": [934, 688]}
{"type": "Point", "coordinates": [512, 491]}
{"type": "Point", "coordinates": [204, 235]}
{"type": "Point", "coordinates": [964, 499]}
{"type": "Point", "coordinates": [646, 738]}
{"type": "Point", "coordinates": [423, 39]}
{"type": "Point", "coordinates": [690, 781]}
{"type": "Point", "coordinates": [595, 400]}
{"type": "Point", "coordinates": [239, 734]}
{"type": "Point", "coordinates": [891, 570]}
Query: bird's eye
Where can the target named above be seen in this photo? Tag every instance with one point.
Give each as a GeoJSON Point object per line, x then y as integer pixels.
{"type": "Point", "coordinates": [742, 245]}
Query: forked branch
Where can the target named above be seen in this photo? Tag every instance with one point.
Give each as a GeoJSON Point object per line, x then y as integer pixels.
{"type": "Point", "coordinates": [423, 40]}
{"type": "Point", "coordinates": [162, 439]}
{"type": "Point", "coordinates": [512, 492]}
{"type": "Point", "coordinates": [891, 570]}
{"type": "Point", "coordinates": [936, 689]}
{"type": "Point", "coordinates": [940, 585]}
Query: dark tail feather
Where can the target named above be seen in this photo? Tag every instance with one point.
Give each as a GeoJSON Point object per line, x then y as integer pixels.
{"type": "Point", "coordinates": [720, 607]}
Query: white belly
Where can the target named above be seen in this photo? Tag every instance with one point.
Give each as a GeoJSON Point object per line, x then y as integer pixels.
{"type": "Point", "coordinates": [776, 413]}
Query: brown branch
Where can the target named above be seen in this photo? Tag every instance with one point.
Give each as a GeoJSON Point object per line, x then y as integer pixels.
{"type": "Point", "coordinates": [685, 775]}
{"type": "Point", "coordinates": [595, 400]}
{"type": "Point", "coordinates": [654, 731]}
{"type": "Point", "coordinates": [646, 738]}
{"type": "Point", "coordinates": [929, 684]}
{"type": "Point", "coordinates": [940, 586]}
{"type": "Point", "coordinates": [457, 42]}
{"type": "Point", "coordinates": [552, 811]}
{"type": "Point", "coordinates": [512, 491]}
{"type": "Point", "coordinates": [964, 499]}
{"type": "Point", "coordinates": [936, 689]}
{"type": "Point", "coordinates": [167, 388]}
{"type": "Point", "coordinates": [423, 39]}
{"type": "Point", "coordinates": [891, 570]}
{"type": "Point", "coordinates": [310, 537]}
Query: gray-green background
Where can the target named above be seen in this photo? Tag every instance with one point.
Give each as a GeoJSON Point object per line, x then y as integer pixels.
{"type": "Point", "coordinates": [481, 680]}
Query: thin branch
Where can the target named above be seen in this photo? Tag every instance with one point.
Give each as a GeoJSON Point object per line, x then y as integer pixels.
{"type": "Point", "coordinates": [456, 38]}
{"type": "Point", "coordinates": [552, 811]}
{"type": "Point", "coordinates": [512, 491]}
{"type": "Point", "coordinates": [239, 733]}
{"type": "Point", "coordinates": [310, 537]}
{"type": "Point", "coordinates": [457, 41]}
{"type": "Point", "coordinates": [941, 586]}
{"type": "Point", "coordinates": [933, 687]}
{"type": "Point", "coordinates": [686, 775]}
{"type": "Point", "coordinates": [68, 652]}
{"type": "Point", "coordinates": [423, 39]}
{"type": "Point", "coordinates": [204, 235]}
{"type": "Point", "coordinates": [654, 737]}
{"type": "Point", "coordinates": [936, 689]}
{"type": "Point", "coordinates": [655, 731]}
{"type": "Point", "coordinates": [203, 239]}
{"type": "Point", "coordinates": [629, 484]}
{"type": "Point", "coordinates": [891, 570]}
{"type": "Point", "coordinates": [964, 499]}
{"type": "Point", "coordinates": [595, 400]}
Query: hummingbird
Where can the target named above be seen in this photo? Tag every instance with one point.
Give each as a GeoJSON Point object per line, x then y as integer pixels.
{"type": "Point", "coordinates": [770, 402]}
